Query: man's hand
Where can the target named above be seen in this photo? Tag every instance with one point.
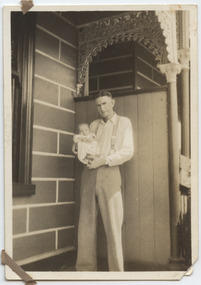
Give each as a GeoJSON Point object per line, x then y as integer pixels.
{"type": "Point", "coordinates": [96, 162]}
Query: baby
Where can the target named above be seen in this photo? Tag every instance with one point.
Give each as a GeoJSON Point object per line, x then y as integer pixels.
{"type": "Point", "coordinates": [85, 143]}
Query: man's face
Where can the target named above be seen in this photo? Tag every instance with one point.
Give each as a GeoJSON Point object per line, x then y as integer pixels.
{"type": "Point", "coordinates": [105, 106]}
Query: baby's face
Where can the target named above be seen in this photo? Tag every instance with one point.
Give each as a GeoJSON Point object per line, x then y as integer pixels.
{"type": "Point", "coordinates": [84, 130]}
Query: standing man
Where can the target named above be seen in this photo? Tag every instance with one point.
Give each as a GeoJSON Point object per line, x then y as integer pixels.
{"type": "Point", "coordinates": [101, 187]}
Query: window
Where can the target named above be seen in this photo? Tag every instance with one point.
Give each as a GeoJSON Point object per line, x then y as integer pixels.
{"type": "Point", "coordinates": [22, 43]}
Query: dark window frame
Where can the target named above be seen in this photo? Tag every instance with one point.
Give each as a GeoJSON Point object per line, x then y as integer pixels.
{"type": "Point", "coordinates": [23, 49]}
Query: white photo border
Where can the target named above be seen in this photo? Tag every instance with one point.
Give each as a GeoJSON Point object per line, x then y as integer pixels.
{"type": "Point", "coordinates": [170, 275]}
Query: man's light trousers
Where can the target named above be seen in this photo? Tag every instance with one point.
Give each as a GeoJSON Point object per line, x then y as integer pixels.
{"type": "Point", "coordinates": [100, 189]}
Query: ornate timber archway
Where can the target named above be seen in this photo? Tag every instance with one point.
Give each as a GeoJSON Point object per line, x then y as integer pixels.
{"type": "Point", "coordinates": [153, 29]}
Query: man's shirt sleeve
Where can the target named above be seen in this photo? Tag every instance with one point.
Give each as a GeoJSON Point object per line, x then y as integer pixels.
{"type": "Point", "coordinates": [126, 149]}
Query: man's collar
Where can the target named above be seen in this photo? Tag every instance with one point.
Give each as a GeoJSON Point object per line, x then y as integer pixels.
{"type": "Point", "coordinates": [113, 119]}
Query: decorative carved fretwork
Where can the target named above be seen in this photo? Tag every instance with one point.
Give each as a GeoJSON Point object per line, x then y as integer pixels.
{"type": "Point", "coordinates": [179, 29]}
{"type": "Point", "coordinates": [184, 57]}
{"type": "Point", "coordinates": [78, 91]}
{"type": "Point", "coordinates": [141, 26]}
{"type": "Point", "coordinates": [170, 70]}
{"type": "Point", "coordinates": [167, 21]}
{"type": "Point", "coordinates": [182, 28]}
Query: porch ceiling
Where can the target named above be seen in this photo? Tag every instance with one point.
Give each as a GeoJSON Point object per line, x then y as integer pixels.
{"type": "Point", "coordinates": [81, 18]}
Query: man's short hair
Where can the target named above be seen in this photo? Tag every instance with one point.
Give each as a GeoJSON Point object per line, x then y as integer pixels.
{"type": "Point", "coordinates": [102, 93]}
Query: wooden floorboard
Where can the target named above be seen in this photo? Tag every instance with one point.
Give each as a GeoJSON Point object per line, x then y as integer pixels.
{"type": "Point", "coordinates": [66, 262]}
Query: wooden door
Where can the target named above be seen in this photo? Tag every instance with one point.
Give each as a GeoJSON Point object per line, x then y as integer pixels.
{"type": "Point", "coordinates": [146, 228]}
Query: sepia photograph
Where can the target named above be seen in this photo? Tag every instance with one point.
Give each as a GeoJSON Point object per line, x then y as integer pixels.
{"type": "Point", "coordinates": [100, 141]}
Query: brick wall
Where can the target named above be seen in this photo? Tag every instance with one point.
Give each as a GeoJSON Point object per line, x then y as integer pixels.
{"type": "Point", "coordinates": [43, 224]}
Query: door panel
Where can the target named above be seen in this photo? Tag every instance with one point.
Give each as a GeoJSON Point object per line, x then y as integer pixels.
{"type": "Point", "coordinates": [131, 205]}
{"type": "Point", "coordinates": [160, 160]}
{"type": "Point", "coordinates": [145, 189]}
{"type": "Point", "coordinates": [145, 178]}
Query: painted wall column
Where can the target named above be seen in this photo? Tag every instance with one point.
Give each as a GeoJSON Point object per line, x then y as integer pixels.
{"type": "Point", "coordinates": [184, 57]}
{"type": "Point", "coordinates": [171, 70]}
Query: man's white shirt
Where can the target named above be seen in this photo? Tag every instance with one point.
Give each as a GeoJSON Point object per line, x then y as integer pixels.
{"type": "Point", "coordinates": [124, 146]}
